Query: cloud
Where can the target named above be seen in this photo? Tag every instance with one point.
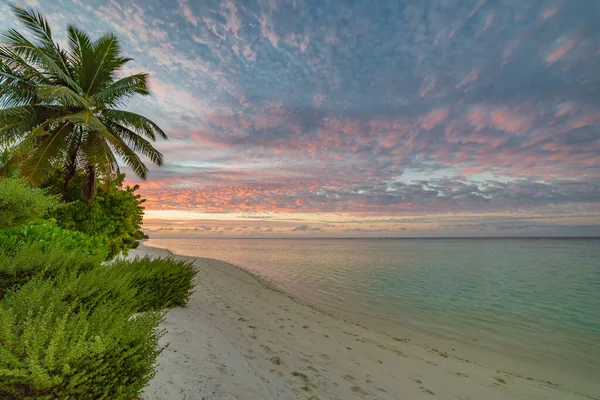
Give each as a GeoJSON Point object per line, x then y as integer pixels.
{"type": "Point", "coordinates": [561, 50]}
{"type": "Point", "coordinates": [188, 13]}
{"type": "Point", "coordinates": [391, 110]}
{"type": "Point", "coordinates": [305, 228]}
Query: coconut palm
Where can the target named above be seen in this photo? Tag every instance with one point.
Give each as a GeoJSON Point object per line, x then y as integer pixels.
{"type": "Point", "coordinates": [59, 107]}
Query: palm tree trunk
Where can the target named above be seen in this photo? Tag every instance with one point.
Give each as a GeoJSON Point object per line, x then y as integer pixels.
{"type": "Point", "coordinates": [90, 187]}
{"type": "Point", "coordinates": [69, 174]}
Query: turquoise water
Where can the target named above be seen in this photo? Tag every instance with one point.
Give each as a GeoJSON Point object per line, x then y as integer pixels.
{"type": "Point", "coordinates": [539, 298]}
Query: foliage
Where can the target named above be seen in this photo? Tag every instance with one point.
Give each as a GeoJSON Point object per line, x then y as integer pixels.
{"type": "Point", "coordinates": [115, 214]}
{"type": "Point", "coordinates": [60, 106]}
{"type": "Point", "coordinates": [142, 284]}
{"type": "Point", "coordinates": [160, 282]}
{"type": "Point", "coordinates": [20, 205]}
{"type": "Point", "coordinates": [56, 349]}
{"type": "Point", "coordinates": [45, 251]}
{"type": "Point", "coordinates": [6, 170]}
{"type": "Point", "coordinates": [49, 236]}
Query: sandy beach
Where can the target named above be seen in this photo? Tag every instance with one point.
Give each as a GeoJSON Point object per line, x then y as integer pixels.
{"type": "Point", "coordinates": [241, 338]}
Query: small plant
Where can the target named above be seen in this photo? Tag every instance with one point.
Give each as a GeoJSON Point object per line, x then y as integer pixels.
{"type": "Point", "coordinates": [56, 349]}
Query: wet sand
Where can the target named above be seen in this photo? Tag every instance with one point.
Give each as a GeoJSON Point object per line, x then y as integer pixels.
{"type": "Point", "coordinates": [241, 338]}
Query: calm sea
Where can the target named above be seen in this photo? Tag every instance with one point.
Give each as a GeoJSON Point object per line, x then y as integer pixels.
{"type": "Point", "coordinates": [539, 298]}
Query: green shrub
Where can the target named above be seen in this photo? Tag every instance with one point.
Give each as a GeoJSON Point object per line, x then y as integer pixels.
{"type": "Point", "coordinates": [21, 205]}
{"type": "Point", "coordinates": [115, 214]}
{"type": "Point", "coordinates": [56, 349]}
{"type": "Point", "coordinates": [46, 251]}
{"type": "Point", "coordinates": [141, 284]}
{"type": "Point", "coordinates": [98, 285]}
{"type": "Point", "coordinates": [160, 283]}
{"type": "Point", "coordinates": [48, 235]}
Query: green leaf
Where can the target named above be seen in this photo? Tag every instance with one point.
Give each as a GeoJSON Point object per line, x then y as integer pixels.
{"type": "Point", "coordinates": [136, 122]}
{"type": "Point", "coordinates": [122, 90]}
{"type": "Point", "coordinates": [62, 95]}
{"type": "Point", "coordinates": [39, 165]}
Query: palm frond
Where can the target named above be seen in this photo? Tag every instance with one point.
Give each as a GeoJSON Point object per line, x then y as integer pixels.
{"type": "Point", "coordinates": [128, 155]}
{"type": "Point", "coordinates": [9, 160]}
{"type": "Point", "coordinates": [121, 90]}
{"type": "Point", "coordinates": [61, 95]}
{"type": "Point", "coordinates": [135, 122]}
{"type": "Point", "coordinates": [136, 142]}
{"type": "Point", "coordinates": [13, 115]}
{"type": "Point", "coordinates": [15, 90]}
{"type": "Point", "coordinates": [33, 120]}
{"type": "Point", "coordinates": [107, 60]}
{"type": "Point", "coordinates": [45, 154]}
{"type": "Point", "coordinates": [12, 61]}
{"type": "Point", "coordinates": [81, 53]}
{"type": "Point", "coordinates": [95, 151]}
{"type": "Point", "coordinates": [35, 22]}
{"type": "Point", "coordinates": [39, 57]}
{"type": "Point", "coordinates": [39, 27]}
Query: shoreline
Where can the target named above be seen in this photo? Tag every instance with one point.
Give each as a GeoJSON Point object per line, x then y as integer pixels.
{"type": "Point", "coordinates": [335, 350]}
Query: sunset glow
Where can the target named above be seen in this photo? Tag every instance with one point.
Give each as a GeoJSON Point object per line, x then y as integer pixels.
{"type": "Point", "coordinates": [339, 119]}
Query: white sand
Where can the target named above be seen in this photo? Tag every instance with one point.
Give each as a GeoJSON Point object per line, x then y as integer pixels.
{"type": "Point", "coordinates": [239, 338]}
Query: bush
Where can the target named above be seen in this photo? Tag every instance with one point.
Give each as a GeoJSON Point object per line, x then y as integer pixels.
{"type": "Point", "coordinates": [160, 283]}
{"type": "Point", "coordinates": [21, 205]}
{"type": "Point", "coordinates": [98, 285]}
{"type": "Point", "coordinates": [45, 250]}
{"type": "Point", "coordinates": [115, 214]}
{"type": "Point", "coordinates": [56, 349]}
{"type": "Point", "coordinates": [47, 236]}
{"type": "Point", "coordinates": [142, 284]}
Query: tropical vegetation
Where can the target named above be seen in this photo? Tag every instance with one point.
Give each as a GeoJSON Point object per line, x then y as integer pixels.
{"type": "Point", "coordinates": [115, 213]}
{"type": "Point", "coordinates": [60, 107]}
{"type": "Point", "coordinates": [75, 323]}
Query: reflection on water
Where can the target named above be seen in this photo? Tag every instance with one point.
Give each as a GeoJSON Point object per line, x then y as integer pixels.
{"type": "Point", "coordinates": [540, 297]}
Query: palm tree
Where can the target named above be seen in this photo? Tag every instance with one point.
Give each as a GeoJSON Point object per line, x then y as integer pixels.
{"type": "Point", "coordinates": [58, 107]}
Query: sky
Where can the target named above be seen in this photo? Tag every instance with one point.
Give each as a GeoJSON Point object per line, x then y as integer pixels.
{"type": "Point", "coordinates": [333, 118]}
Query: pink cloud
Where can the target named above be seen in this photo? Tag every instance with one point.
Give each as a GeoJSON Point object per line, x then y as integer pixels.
{"type": "Point", "coordinates": [269, 32]}
{"type": "Point", "coordinates": [429, 85]}
{"type": "Point", "coordinates": [471, 77]}
{"type": "Point", "coordinates": [199, 39]}
{"type": "Point", "coordinates": [173, 99]}
{"type": "Point", "coordinates": [434, 118]}
{"type": "Point", "coordinates": [477, 7]}
{"type": "Point", "coordinates": [509, 50]}
{"type": "Point", "coordinates": [549, 12]}
{"type": "Point", "coordinates": [564, 110]}
{"type": "Point", "coordinates": [187, 12]}
{"type": "Point", "coordinates": [488, 21]}
{"type": "Point", "coordinates": [589, 118]}
{"type": "Point", "coordinates": [213, 28]}
{"type": "Point", "coordinates": [560, 51]}
{"type": "Point", "coordinates": [233, 23]}
{"type": "Point", "coordinates": [501, 118]}
{"type": "Point", "coordinates": [511, 121]}
{"type": "Point", "coordinates": [552, 146]}
{"type": "Point", "coordinates": [298, 41]}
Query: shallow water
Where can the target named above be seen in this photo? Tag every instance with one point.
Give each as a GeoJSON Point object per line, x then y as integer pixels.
{"type": "Point", "coordinates": [538, 298]}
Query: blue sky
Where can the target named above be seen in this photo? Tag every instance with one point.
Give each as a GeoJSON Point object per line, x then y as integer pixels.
{"type": "Point", "coordinates": [347, 118]}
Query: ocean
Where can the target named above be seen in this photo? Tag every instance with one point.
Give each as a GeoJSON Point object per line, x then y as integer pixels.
{"type": "Point", "coordinates": [533, 298]}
